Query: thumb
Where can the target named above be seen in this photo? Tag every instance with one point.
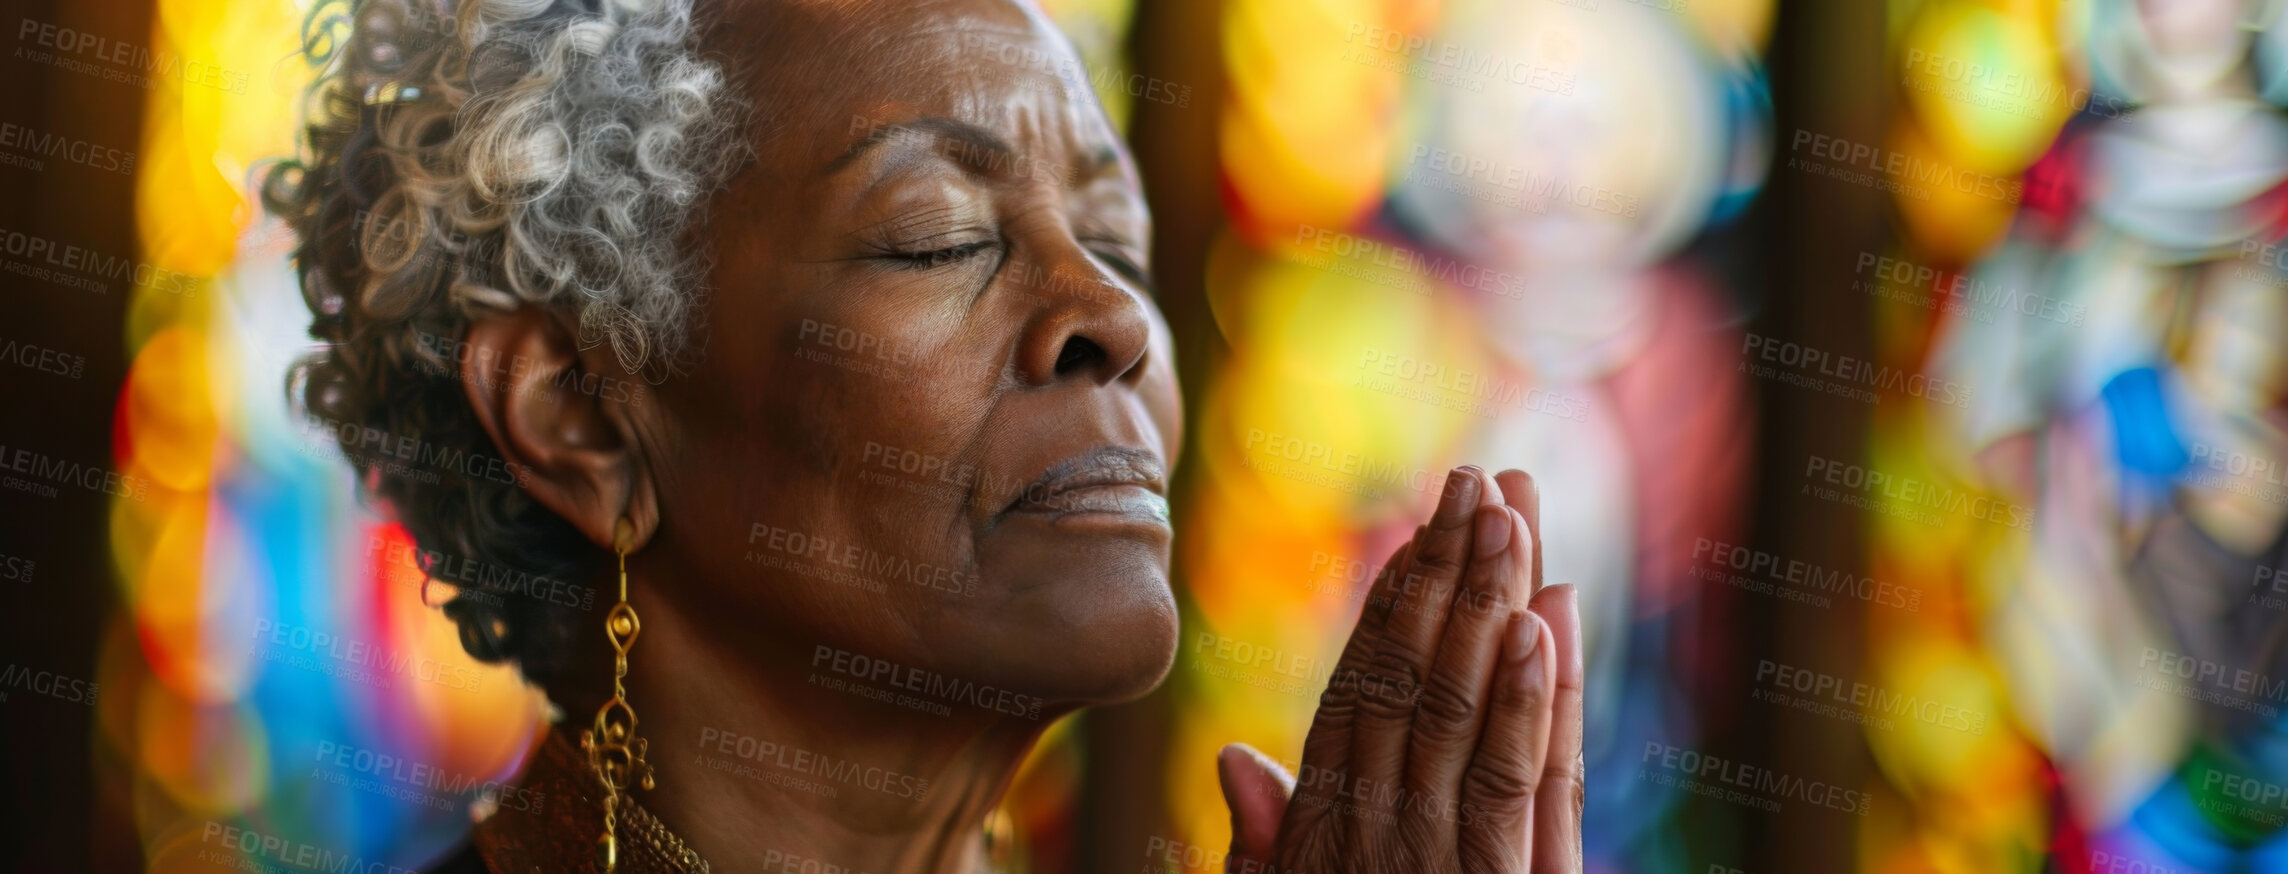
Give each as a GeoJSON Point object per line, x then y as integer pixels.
{"type": "Point", "coordinates": [1256, 789]}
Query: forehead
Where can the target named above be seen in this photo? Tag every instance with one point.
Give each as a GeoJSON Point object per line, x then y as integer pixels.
{"type": "Point", "coordinates": [821, 73]}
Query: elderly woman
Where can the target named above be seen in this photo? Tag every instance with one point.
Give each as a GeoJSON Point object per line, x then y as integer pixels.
{"type": "Point", "coordinates": [890, 491]}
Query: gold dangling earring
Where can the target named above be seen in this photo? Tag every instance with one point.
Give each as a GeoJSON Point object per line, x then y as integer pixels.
{"type": "Point", "coordinates": [614, 751]}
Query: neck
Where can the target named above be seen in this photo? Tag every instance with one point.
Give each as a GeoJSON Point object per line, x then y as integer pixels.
{"type": "Point", "coordinates": [768, 761]}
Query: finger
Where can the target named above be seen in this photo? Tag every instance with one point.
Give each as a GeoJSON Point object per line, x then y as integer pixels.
{"type": "Point", "coordinates": [1327, 748]}
{"type": "Point", "coordinates": [1392, 681]}
{"type": "Point", "coordinates": [1257, 790]}
{"type": "Point", "coordinates": [1524, 496]}
{"type": "Point", "coordinates": [1557, 804]}
{"type": "Point", "coordinates": [1496, 832]}
{"type": "Point", "coordinates": [1455, 701]}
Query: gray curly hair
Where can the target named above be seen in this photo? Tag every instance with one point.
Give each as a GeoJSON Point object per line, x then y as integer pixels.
{"type": "Point", "coordinates": [472, 160]}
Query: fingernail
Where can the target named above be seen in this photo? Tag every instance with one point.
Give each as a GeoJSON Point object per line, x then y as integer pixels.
{"type": "Point", "coordinates": [1277, 771]}
{"type": "Point", "coordinates": [1525, 643]}
{"type": "Point", "coordinates": [1493, 531]}
{"type": "Point", "coordinates": [1461, 494]}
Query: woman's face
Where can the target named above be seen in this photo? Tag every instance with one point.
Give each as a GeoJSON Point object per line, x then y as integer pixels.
{"type": "Point", "coordinates": [936, 407]}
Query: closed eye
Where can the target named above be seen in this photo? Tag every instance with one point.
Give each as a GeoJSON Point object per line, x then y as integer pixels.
{"type": "Point", "coordinates": [936, 258]}
{"type": "Point", "coordinates": [1124, 265]}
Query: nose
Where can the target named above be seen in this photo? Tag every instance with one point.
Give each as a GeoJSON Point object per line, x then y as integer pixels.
{"type": "Point", "coordinates": [1083, 325]}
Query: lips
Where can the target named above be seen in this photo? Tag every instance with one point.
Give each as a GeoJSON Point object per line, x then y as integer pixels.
{"type": "Point", "coordinates": [1115, 480]}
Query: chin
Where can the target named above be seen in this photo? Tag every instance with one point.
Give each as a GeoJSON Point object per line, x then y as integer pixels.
{"type": "Point", "coordinates": [1097, 638]}
{"type": "Point", "coordinates": [1133, 650]}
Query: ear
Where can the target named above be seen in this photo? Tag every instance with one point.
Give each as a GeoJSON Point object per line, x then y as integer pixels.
{"type": "Point", "coordinates": [576, 447]}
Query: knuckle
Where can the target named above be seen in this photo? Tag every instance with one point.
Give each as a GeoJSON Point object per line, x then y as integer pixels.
{"type": "Point", "coordinates": [1482, 596]}
{"type": "Point", "coordinates": [1341, 695]}
{"type": "Point", "coordinates": [1570, 772]}
{"type": "Point", "coordinates": [1447, 714]}
{"type": "Point", "coordinates": [1399, 657]}
{"type": "Point", "coordinates": [1567, 781]}
{"type": "Point", "coordinates": [1578, 773]}
{"type": "Point", "coordinates": [1337, 711]}
{"type": "Point", "coordinates": [1439, 564]}
{"type": "Point", "coordinates": [1385, 708]}
{"type": "Point", "coordinates": [1501, 788]}
{"type": "Point", "coordinates": [1523, 699]}
{"type": "Point", "coordinates": [1389, 689]}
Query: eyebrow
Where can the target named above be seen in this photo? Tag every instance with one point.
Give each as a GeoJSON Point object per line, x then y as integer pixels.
{"type": "Point", "coordinates": [998, 151]}
{"type": "Point", "coordinates": [982, 149]}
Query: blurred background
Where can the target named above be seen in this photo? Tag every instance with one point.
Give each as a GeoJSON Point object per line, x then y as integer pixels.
{"type": "Point", "coordinates": [1902, 380]}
